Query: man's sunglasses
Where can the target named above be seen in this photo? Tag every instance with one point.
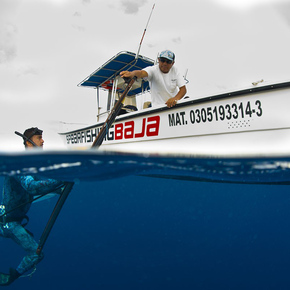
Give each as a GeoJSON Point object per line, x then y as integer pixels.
{"type": "Point", "coordinates": [162, 59]}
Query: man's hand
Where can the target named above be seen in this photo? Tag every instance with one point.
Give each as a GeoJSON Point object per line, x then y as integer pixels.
{"type": "Point", "coordinates": [171, 102]}
{"type": "Point", "coordinates": [127, 74]}
{"type": "Point", "coordinates": [135, 73]}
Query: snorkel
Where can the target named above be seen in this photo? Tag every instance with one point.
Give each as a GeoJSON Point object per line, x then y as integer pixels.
{"type": "Point", "coordinates": [28, 134]}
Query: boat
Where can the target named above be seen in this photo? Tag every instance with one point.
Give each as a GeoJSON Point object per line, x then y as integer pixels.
{"type": "Point", "coordinates": [253, 121]}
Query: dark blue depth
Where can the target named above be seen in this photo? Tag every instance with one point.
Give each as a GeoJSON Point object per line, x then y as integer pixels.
{"type": "Point", "coordinates": [148, 233]}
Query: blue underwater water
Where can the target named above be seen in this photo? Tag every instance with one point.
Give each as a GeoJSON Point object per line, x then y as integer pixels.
{"type": "Point", "coordinates": [122, 228]}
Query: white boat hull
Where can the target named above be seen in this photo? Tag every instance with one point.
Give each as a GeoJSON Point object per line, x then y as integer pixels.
{"type": "Point", "coordinates": [249, 122]}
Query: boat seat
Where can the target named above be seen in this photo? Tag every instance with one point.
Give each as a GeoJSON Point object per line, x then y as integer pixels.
{"type": "Point", "coordinates": [130, 108]}
{"type": "Point", "coordinates": [127, 109]}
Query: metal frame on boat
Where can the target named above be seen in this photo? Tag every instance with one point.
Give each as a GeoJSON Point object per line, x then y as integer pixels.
{"type": "Point", "coordinates": [252, 121]}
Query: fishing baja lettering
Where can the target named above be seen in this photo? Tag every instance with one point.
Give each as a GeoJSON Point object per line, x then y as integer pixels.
{"type": "Point", "coordinates": [120, 131]}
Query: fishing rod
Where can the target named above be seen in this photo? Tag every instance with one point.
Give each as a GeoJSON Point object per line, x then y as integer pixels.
{"type": "Point", "coordinates": [145, 31]}
{"type": "Point", "coordinates": [118, 106]}
{"type": "Point", "coordinates": [112, 116]}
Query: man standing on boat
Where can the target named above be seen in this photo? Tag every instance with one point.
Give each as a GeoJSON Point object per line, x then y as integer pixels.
{"type": "Point", "coordinates": [18, 194]}
{"type": "Point", "coordinates": [167, 86]}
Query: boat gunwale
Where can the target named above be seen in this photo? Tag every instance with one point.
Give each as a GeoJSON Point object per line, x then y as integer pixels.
{"type": "Point", "coordinates": [192, 102]}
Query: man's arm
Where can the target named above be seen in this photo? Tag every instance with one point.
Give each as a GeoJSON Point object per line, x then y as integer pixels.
{"type": "Point", "coordinates": [172, 101]}
{"type": "Point", "coordinates": [36, 187]}
{"type": "Point", "coordinates": [140, 74]}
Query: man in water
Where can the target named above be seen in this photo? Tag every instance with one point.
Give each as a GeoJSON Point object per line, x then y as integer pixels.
{"type": "Point", "coordinates": [18, 194]}
{"type": "Point", "coordinates": [167, 86]}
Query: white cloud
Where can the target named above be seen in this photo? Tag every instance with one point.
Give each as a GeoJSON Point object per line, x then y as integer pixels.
{"type": "Point", "coordinates": [284, 10]}
{"type": "Point", "coordinates": [79, 28]}
{"type": "Point", "coordinates": [245, 4]}
{"type": "Point", "coordinates": [132, 7]}
{"type": "Point", "coordinates": [86, 2]}
{"type": "Point", "coordinates": [56, 2]}
{"type": "Point", "coordinates": [177, 40]}
{"type": "Point", "coordinates": [7, 46]}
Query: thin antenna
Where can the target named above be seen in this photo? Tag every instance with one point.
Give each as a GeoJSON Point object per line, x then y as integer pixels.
{"type": "Point", "coordinates": [145, 31]}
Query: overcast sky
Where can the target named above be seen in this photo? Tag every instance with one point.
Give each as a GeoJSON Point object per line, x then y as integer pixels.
{"type": "Point", "coordinates": [48, 46]}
